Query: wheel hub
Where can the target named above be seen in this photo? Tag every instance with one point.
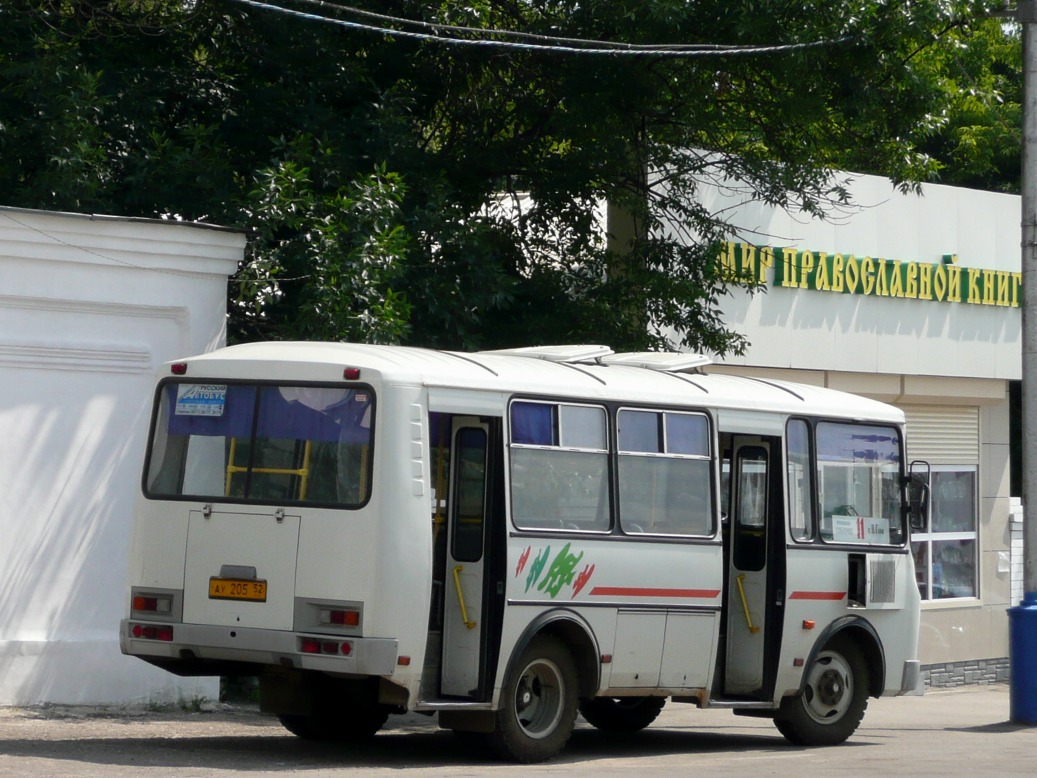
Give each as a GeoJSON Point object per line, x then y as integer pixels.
{"type": "Point", "coordinates": [830, 687]}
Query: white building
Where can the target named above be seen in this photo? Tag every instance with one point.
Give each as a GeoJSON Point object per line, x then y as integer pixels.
{"type": "Point", "coordinates": [915, 301]}
{"type": "Point", "coordinates": [90, 307]}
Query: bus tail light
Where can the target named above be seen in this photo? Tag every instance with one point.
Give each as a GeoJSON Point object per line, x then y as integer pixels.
{"type": "Point", "coordinates": [351, 373]}
{"type": "Point", "coordinates": [340, 618]}
{"type": "Point", "coordinates": [328, 647]}
{"type": "Point", "coordinates": [151, 603]}
{"type": "Point", "coordinates": [162, 632]}
{"type": "Point", "coordinates": [178, 368]}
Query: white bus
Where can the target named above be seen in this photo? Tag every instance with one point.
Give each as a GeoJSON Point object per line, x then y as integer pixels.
{"type": "Point", "coordinates": [507, 538]}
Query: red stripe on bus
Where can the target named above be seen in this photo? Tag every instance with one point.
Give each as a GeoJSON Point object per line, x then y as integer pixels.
{"type": "Point", "coordinates": [640, 591]}
{"type": "Point", "coordinates": [817, 595]}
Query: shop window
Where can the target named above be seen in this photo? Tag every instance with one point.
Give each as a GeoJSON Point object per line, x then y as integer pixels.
{"type": "Point", "coordinates": [946, 556]}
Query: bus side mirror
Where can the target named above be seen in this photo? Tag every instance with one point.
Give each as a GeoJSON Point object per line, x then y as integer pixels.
{"type": "Point", "coordinates": [918, 496]}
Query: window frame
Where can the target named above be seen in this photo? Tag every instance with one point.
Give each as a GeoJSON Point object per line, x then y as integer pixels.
{"type": "Point", "coordinates": [809, 476]}
{"type": "Point", "coordinates": [666, 455]}
{"type": "Point", "coordinates": [817, 535]}
{"type": "Point", "coordinates": [158, 416]}
{"type": "Point", "coordinates": [557, 406]}
{"type": "Point", "coordinates": [926, 540]}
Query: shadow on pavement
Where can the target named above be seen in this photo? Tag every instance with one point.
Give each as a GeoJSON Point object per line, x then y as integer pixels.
{"type": "Point", "coordinates": [1000, 726]}
{"type": "Point", "coordinates": [428, 748]}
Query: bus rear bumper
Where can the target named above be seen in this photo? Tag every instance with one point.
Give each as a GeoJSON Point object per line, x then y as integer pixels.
{"type": "Point", "coordinates": [188, 649]}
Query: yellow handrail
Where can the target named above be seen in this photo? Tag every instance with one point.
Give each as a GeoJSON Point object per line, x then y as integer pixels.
{"type": "Point", "coordinates": [745, 604]}
{"type": "Point", "coordinates": [231, 467]}
{"type": "Point", "coordinates": [460, 598]}
{"type": "Point", "coordinates": [302, 472]}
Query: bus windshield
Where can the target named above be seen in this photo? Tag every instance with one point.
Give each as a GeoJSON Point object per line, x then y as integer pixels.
{"type": "Point", "coordinates": [263, 443]}
{"type": "Point", "coordinates": [858, 473]}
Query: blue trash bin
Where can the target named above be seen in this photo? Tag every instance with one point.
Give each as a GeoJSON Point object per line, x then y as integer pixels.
{"type": "Point", "coordinates": [1022, 649]}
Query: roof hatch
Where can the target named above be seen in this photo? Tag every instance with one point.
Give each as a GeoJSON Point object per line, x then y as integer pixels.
{"type": "Point", "coordinates": [662, 361]}
{"type": "Point", "coordinates": [574, 353]}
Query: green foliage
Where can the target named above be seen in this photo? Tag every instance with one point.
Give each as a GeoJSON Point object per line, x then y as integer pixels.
{"type": "Point", "coordinates": [979, 138]}
{"type": "Point", "coordinates": [404, 191]}
{"type": "Point", "coordinates": [322, 266]}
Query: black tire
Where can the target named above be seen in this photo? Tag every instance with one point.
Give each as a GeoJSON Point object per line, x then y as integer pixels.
{"type": "Point", "coordinates": [833, 700]}
{"type": "Point", "coordinates": [351, 725]}
{"type": "Point", "coordinates": [538, 703]}
{"type": "Point", "coordinates": [621, 714]}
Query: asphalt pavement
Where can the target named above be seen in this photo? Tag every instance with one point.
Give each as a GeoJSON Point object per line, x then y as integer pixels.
{"type": "Point", "coordinates": [956, 732]}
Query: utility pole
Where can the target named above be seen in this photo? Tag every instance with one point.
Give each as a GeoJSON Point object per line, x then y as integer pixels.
{"type": "Point", "coordinates": [1022, 619]}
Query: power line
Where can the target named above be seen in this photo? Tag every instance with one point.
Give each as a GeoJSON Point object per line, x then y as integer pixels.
{"type": "Point", "coordinates": [497, 33]}
{"type": "Point", "coordinates": [598, 48]}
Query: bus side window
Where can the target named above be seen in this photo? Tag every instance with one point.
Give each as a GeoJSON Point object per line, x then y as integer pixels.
{"type": "Point", "coordinates": [750, 539]}
{"type": "Point", "coordinates": [664, 473]}
{"type": "Point", "coordinates": [559, 466]}
{"type": "Point", "coordinates": [470, 495]}
{"type": "Point", "coordinates": [801, 503]}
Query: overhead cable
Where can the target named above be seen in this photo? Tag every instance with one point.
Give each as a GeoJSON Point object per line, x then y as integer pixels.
{"type": "Point", "coordinates": [498, 33]}
{"type": "Point", "coordinates": [607, 50]}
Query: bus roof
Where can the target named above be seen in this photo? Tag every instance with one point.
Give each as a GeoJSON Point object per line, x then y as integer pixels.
{"type": "Point", "coordinates": [677, 380]}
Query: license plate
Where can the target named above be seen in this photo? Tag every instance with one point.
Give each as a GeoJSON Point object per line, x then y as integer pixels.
{"type": "Point", "coordinates": [237, 589]}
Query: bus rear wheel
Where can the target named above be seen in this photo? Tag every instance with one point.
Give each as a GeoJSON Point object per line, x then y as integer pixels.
{"type": "Point", "coordinates": [621, 714]}
{"type": "Point", "coordinates": [833, 700]}
{"type": "Point", "coordinates": [538, 703]}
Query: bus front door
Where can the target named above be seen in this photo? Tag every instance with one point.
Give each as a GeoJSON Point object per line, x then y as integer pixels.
{"type": "Point", "coordinates": [468, 508]}
{"type": "Point", "coordinates": [753, 516]}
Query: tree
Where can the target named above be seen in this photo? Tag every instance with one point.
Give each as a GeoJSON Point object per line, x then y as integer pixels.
{"type": "Point", "coordinates": [404, 189]}
{"type": "Point", "coordinates": [979, 140]}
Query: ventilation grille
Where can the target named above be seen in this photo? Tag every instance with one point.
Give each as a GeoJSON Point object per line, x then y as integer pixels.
{"type": "Point", "coordinates": [882, 581]}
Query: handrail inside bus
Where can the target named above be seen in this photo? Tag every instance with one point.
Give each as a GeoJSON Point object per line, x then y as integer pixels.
{"type": "Point", "coordinates": [303, 473]}
{"type": "Point", "coordinates": [460, 598]}
{"type": "Point", "coordinates": [745, 605]}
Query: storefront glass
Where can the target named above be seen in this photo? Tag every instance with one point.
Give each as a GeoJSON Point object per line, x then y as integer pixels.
{"type": "Point", "coordinates": [946, 556]}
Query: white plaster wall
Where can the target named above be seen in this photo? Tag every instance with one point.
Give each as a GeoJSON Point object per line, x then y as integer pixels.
{"type": "Point", "coordinates": [90, 307]}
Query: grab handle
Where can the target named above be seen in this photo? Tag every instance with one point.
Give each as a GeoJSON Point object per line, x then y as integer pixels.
{"type": "Point", "coordinates": [745, 604]}
{"type": "Point", "coordinates": [460, 598]}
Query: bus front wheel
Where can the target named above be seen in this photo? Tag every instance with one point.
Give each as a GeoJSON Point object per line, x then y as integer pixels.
{"type": "Point", "coordinates": [621, 714]}
{"type": "Point", "coordinates": [833, 700]}
{"type": "Point", "coordinates": [538, 703]}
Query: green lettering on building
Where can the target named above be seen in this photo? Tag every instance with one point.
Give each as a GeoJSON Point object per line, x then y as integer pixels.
{"type": "Point", "coordinates": [818, 271]}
